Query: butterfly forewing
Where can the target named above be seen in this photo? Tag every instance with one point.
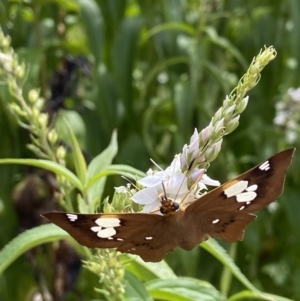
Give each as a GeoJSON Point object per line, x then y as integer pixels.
{"type": "Point", "coordinates": [224, 212]}
{"type": "Point", "coordinates": [150, 236]}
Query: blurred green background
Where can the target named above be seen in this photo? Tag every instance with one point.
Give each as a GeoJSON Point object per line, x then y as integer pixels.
{"type": "Point", "coordinates": [157, 70]}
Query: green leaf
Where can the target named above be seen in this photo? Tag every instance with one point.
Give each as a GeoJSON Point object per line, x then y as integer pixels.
{"type": "Point", "coordinates": [117, 169]}
{"type": "Point", "coordinates": [79, 161]}
{"type": "Point", "coordinates": [256, 296]}
{"type": "Point", "coordinates": [183, 289]}
{"type": "Point", "coordinates": [48, 165]}
{"type": "Point", "coordinates": [93, 22]}
{"type": "Point", "coordinates": [149, 270]}
{"type": "Point", "coordinates": [125, 45]}
{"type": "Point", "coordinates": [134, 288]}
{"type": "Point", "coordinates": [221, 254]}
{"type": "Point", "coordinates": [166, 26]}
{"type": "Point", "coordinates": [98, 164]}
{"type": "Point", "coordinates": [27, 240]}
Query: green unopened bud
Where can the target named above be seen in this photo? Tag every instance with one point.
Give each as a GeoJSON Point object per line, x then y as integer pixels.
{"type": "Point", "coordinates": [52, 136]}
{"type": "Point", "coordinates": [16, 109]}
{"type": "Point", "coordinates": [35, 113]}
{"type": "Point", "coordinates": [241, 106]}
{"type": "Point", "coordinates": [61, 152]}
{"type": "Point", "coordinates": [229, 112]}
{"type": "Point", "coordinates": [255, 68]}
{"type": "Point", "coordinates": [20, 71]}
{"type": "Point", "coordinates": [217, 116]}
{"type": "Point", "coordinates": [227, 102]}
{"type": "Point", "coordinates": [33, 95]}
{"type": "Point", "coordinates": [267, 55]}
{"type": "Point", "coordinates": [218, 128]}
{"type": "Point", "coordinates": [212, 152]}
{"type": "Point", "coordinates": [5, 42]}
{"type": "Point", "coordinates": [232, 124]}
{"type": "Point", "coordinates": [43, 120]}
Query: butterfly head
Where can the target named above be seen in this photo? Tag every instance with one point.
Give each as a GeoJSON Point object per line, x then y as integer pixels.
{"type": "Point", "coordinates": [168, 206]}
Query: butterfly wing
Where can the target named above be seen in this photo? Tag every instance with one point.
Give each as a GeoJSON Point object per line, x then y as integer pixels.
{"type": "Point", "coordinates": [227, 210]}
{"type": "Point", "coordinates": [150, 236]}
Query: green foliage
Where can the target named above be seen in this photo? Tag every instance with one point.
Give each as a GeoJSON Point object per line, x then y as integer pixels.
{"type": "Point", "coordinates": [159, 69]}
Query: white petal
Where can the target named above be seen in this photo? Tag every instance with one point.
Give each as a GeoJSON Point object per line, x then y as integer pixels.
{"type": "Point", "coordinates": [201, 186]}
{"type": "Point", "coordinates": [121, 189]}
{"type": "Point", "coordinates": [145, 196]}
{"type": "Point", "coordinates": [208, 181]}
{"type": "Point", "coordinates": [174, 167]}
{"type": "Point", "coordinates": [194, 138]}
{"type": "Point", "coordinates": [150, 181]}
{"type": "Point", "coordinates": [150, 207]}
{"type": "Point", "coordinates": [177, 185]}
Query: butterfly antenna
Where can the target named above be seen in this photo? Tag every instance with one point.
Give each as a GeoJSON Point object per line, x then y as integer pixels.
{"type": "Point", "coordinates": [179, 190]}
{"type": "Point", "coordinates": [164, 189]}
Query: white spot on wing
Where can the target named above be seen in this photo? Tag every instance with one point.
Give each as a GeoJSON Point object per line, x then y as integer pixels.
{"type": "Point", "coordinates": [72, 217]}
{"type": "Point", "coordinates": [106, 233]}
{"type": "Point", "coordinates": [236, 188]}
{"type": "Point", "coordinates": [246, 196]}
{"type": "Point", "coordinates": [241, 208]}
{"type": "Point", "coordinates": [108, 222]}
{"type": "Point", "coordinates": [265, 166]}
{"type": "Point", "coordinates": [215, 221]}
{"type": "Point", "coordinates": [252, 188]}
{"type": "Point", "coordinates": [96, 229]}
{"type": "Point", "coordinates": [148, 237]}
{"type": "Point", "coordinates": [120, 239]}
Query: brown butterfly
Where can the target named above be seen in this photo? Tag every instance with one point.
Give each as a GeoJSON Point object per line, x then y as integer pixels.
{"type": "Point", "coordinates": [223, 213]}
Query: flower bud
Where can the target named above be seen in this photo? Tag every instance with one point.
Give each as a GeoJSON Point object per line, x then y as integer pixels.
{"type": "Point", "coordinates": [61, 152]}
{"type": "Point", "coordinates": [195, 176]}
{"type": "Point", "coordinates": [52, 136]}
{"type": "Point", "coordinates": [232, 124]}
{"type": "Point", "coordinates": [212, 152]}
{"type": "Point", "coordinates": [43, 120]}
{"type": "Point", "coordinates": [241, 106]}
{"type": "Point", "coordinates": [218, 129]}
{"type": "Point", "coordinates": [20, 71]}
{"type": "Point", "coordinates": [5, 42]}
{"type": "Point", "coordinates": [228, 112]}
{"type": "Point", "coordinates": [205, 134]}
{"type": "Point", "coordinates": [217, 116]}
{"type": "Point", "coordinates": [33, 95]}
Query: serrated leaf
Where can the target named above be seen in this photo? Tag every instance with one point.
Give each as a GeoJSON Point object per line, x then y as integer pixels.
{"type": "Point", "coordinates": [48, 165]}
{"type": "Point", "coordinates": [27, 240]}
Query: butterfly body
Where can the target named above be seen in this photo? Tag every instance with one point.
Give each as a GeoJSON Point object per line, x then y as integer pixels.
{"type": "Point", "coordinates": [223, 213]}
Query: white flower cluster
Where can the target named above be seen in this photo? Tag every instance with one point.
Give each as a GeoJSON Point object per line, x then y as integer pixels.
{"type": "Point", "coordinates": [173, 182]}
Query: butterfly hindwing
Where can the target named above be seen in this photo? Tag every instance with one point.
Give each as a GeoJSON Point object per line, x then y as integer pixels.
{"type": "Point", "coordinates": [226, 210]}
